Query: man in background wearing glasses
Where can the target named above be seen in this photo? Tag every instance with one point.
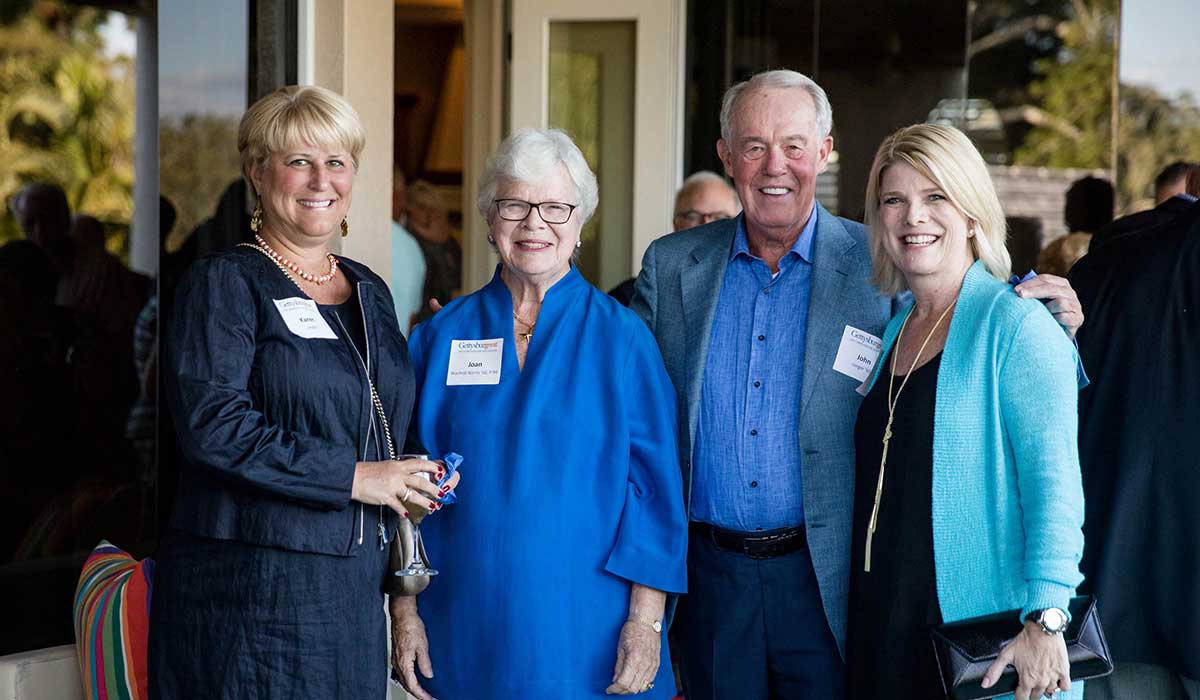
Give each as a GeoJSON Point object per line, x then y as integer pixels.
{"type": "Point", "coordinates": [703, 198]}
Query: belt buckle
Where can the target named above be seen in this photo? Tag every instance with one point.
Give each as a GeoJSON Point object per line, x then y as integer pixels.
{"type": "Point", "coordinates": [747, 549]}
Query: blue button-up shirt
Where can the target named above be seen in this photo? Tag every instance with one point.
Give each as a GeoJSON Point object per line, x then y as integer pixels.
{"type": "Point", "coordinates": [746, 472]}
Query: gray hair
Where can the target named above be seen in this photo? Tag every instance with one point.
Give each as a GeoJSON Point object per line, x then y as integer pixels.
{"type": "Point", "coordinates": [702, 176]}
{"type": "Point", "coordinates": [528, 156]}
{"type": "Point", "coordinates": [774, 79]}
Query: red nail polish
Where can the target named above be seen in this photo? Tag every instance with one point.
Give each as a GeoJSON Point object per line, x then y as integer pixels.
{"type": "Point", "coordinates": [405, 514]}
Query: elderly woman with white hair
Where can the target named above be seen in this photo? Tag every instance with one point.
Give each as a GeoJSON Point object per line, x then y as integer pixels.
{"type": "Point", "coordinates": [968, 499]}
{"type": "Point", "coordinates": [570, 534]}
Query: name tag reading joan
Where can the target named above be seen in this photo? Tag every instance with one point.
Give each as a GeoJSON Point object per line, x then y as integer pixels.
{"type": "Point", "coordinates": [475, 362]}
{"type": "Point", "coordinates": [303, 318]}
{"type": "Point", "coordinates": [857, 354]}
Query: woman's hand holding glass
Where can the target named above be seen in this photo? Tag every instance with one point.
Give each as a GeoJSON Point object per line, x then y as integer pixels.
{"type": "Point", "coordinates": [407, 486]}
{"type": "Point", "coordinates": [1040, 659]}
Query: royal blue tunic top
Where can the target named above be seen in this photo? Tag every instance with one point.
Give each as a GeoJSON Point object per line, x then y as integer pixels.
{"type": "Point", "coordinates": [571, 492]}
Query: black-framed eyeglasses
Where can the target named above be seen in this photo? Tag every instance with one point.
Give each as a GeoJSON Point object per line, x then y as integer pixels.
{"type": "Point", "coordinates": [518, 209]}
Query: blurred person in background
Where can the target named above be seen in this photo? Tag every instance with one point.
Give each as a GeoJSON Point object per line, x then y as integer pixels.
{"type": "Point", "coordinates": [704, 197]}
{"type": "Point", "coordinates": [408, 260]}
{"type": "Point", "coordinates": [1175, 190]}
{"type": "Point", "coordinates": [1088, 208]}
{"type": "Point", "coordinates": [429, 221]}
{"type": "Point", "coordinates": [1138, 447]}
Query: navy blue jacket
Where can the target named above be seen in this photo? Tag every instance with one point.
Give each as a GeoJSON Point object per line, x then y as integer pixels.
{"type": "Point", "coordinates": [271, 424]}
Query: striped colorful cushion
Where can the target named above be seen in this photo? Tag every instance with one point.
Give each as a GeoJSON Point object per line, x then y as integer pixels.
{"type": "Point", "coordinates": [112, 622]}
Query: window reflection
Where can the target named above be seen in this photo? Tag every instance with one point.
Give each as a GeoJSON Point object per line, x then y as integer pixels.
{"type": "Point", "coordinates": [68, 307]}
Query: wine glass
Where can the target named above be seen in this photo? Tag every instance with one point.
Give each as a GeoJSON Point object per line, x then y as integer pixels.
{"type": "Point", "coordinates": [414, 562]}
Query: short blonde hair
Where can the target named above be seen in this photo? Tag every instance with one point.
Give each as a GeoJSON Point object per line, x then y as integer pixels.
{"type": "Point", "coordinates": [948, 158]}
{"type": "Point", "coordinates": [294, 115]}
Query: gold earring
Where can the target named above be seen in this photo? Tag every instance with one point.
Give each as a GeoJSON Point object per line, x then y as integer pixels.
{"type": "Point", "coordinates": [345, 228]}
{"type": "Point", "coordinates": [256, 217]}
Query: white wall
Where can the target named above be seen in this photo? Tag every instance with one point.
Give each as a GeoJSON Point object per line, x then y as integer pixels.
{"type": "Point", "coordinates": [350, 52]}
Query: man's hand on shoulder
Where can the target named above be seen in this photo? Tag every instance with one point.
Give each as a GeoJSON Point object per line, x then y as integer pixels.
{"type": "Point", "coordinates": [1058, 296]}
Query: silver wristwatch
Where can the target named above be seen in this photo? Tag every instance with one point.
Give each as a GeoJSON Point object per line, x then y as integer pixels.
{"type": "Point", "coordinates": [1052, 620]}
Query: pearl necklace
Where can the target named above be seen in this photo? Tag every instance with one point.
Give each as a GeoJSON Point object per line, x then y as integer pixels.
{"type": "Point", "coordinates": [283, 262]}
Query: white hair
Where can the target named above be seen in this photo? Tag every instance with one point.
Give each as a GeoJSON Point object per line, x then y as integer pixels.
{"type": "Point", "coordinates": [529, 156]}
{"type": "Point", "coordinates": [777, 79]}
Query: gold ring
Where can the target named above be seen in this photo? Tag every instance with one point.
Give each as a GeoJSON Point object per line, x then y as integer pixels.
{"type": "Point", "coordinates": [406, 496]}
{"type": "Point", "coordinates": [649, 686]}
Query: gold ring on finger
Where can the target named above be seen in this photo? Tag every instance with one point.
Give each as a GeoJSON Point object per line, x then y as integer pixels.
{"type": "Point", "coordinates": [407, 495]}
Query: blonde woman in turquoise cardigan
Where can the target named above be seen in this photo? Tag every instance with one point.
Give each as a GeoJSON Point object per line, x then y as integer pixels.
{"type": "Point", "coordinates": [968, 498]}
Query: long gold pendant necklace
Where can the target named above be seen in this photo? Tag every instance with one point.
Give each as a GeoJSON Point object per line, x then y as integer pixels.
{"type": "Point", "coordinates": [887, 432]}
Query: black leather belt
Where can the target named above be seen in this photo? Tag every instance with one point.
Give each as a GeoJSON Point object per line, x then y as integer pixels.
{"type": "Point", "coordinates": [756, 545]}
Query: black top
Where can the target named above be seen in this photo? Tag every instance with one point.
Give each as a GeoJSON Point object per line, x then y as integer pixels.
{"type": "Point", "coordinates": [888, 652]}
{"type": "Point", "coordinates": [351, 317]}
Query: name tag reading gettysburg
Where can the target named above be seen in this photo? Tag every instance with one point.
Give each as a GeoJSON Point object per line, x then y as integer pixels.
{"type": "Point", "coordinates": [857, 353]}
{"type": "Point", "coordinates": [475, 362]}
{"type": "Point", "coordinates": [303, 318]}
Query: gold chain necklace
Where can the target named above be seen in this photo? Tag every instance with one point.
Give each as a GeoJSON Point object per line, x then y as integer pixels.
{"type": "Point", "coordinates": [887, 432]}
{"type": "Point", "coordinates": [528, 335]}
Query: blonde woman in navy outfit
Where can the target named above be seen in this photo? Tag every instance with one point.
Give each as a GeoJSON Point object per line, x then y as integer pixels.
{"type": "Point", "coordinates": [289, 383]}
{"type": "Point", "coordinates": [968, 498]}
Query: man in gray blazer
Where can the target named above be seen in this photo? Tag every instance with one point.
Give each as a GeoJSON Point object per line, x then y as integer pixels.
{"type": "Point", "coordinates": [766, 323]}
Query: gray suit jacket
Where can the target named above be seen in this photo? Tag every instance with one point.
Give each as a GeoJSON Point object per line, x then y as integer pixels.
{"type": "Point", "coordinates": [676, 296]}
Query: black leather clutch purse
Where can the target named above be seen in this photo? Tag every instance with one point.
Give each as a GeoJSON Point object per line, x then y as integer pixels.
{"type": "Point", "coordinates": [965, 649]}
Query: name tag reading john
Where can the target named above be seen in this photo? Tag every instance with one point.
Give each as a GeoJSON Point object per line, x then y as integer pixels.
{"type": "Point", "coordinates": [303, 318]}
{"type": "Point", "coordinates": [475, 362]}
{"type": "Point", "coordinates": [857, 353]}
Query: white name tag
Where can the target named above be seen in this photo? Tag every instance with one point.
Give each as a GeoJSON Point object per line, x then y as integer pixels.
{"type": "Point", "coordinates": [475, 362]}
{"type": "Point", "coordinates": [303, 318]}
{"type": "Point", "coordinates": [857, 353]}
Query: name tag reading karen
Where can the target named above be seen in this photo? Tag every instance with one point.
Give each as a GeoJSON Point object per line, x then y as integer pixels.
{"type": "Point", "coordinates": [475, 362]}
{"type": "Point", "coordinates": [303, 318]}
{"type": "Point", "coordinates": [857, 354]}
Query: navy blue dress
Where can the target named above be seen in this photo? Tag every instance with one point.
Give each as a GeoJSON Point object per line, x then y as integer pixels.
{"type": "Point", "coordinates": [270, 581]}
{"type": "Point", "coordinates": [571, 492]}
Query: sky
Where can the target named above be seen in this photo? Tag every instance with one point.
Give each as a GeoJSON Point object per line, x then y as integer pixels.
{"type": "Point", "coordinates": [1160, 45]}
{"type": "Point", "coordinates": [202, 55]}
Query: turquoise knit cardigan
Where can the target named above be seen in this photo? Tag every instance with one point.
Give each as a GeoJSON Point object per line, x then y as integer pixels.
{"type": "Point", "coordinates": [1007, 496]}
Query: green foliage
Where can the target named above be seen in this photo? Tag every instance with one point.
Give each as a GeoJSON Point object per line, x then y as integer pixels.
{"type": "Point", "coordinates": [66, 113]}
{"type": "Point", "coordinates": [1153, 131]}
{"type": "Point", "coordinates": [1075, 92]}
